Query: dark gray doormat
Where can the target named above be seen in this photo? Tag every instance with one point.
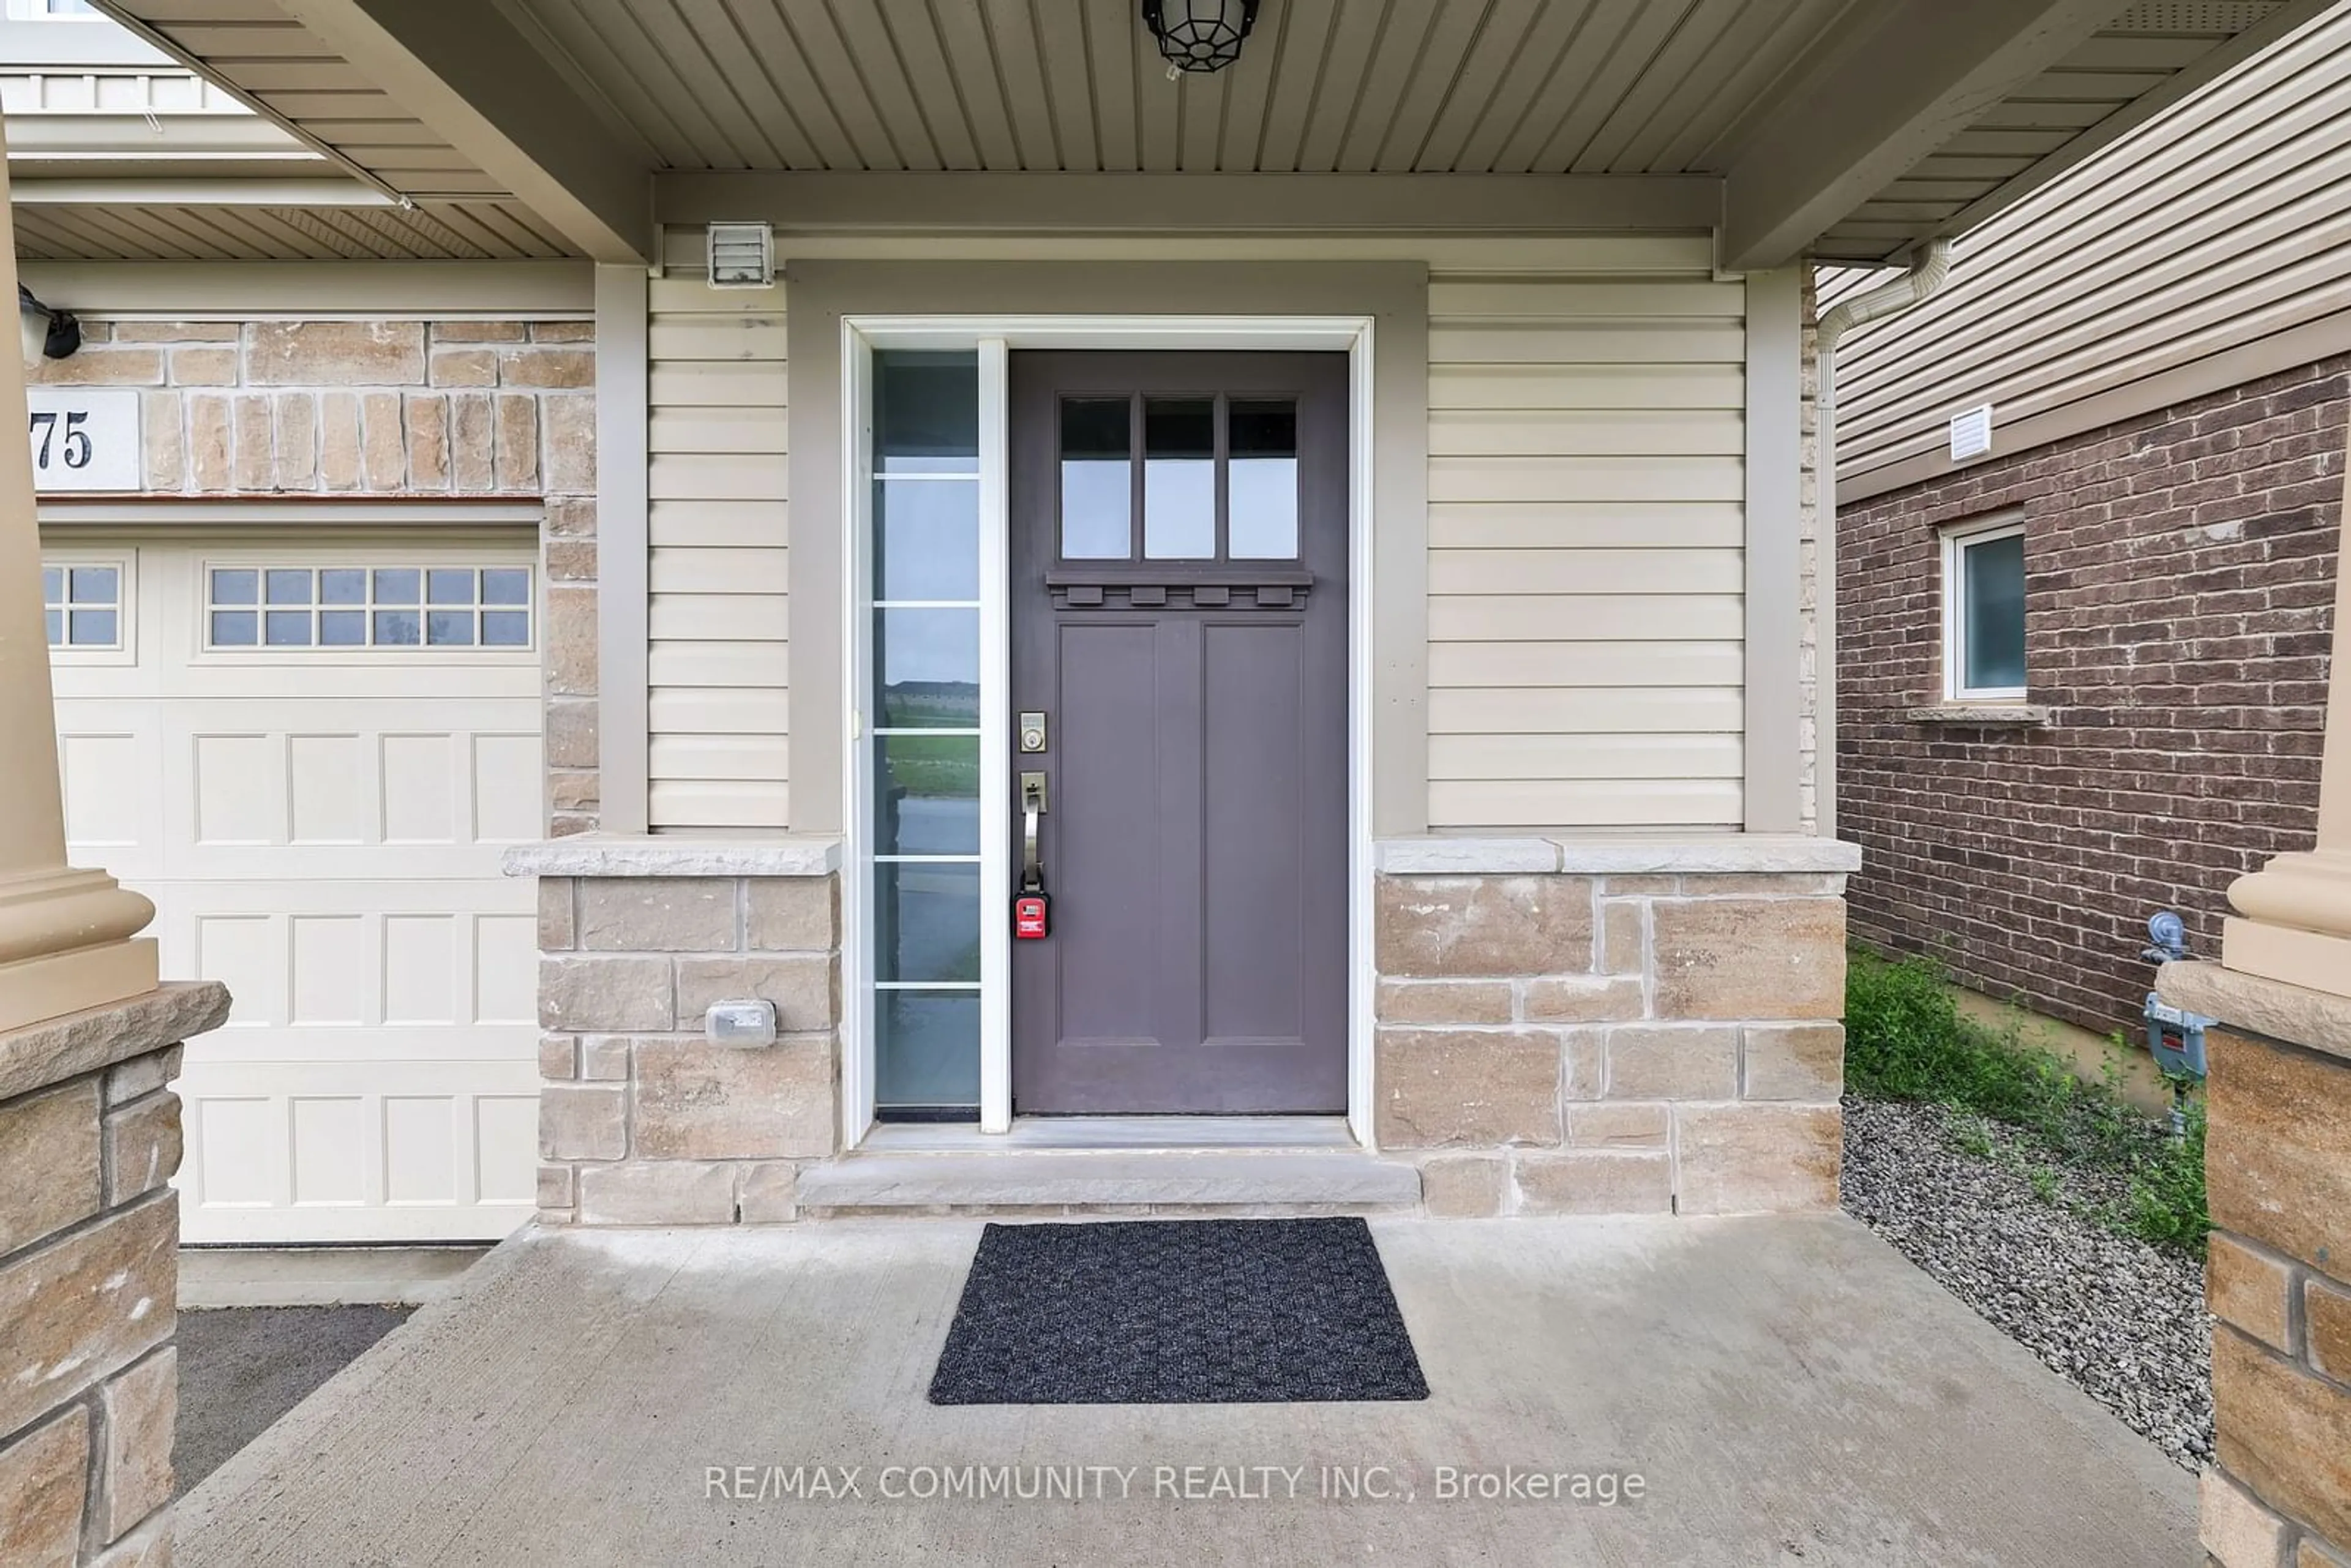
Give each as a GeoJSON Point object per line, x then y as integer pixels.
{"type": "Point", "coordinates": [1178, 1312]}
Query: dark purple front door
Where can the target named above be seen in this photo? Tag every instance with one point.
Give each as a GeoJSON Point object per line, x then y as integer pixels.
{"type": "Point", "coordinates": [1179, 617]}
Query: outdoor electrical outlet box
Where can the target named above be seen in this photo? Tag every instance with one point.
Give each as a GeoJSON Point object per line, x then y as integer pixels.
{"type": "Point", "coordinates": [2176, 1038]}
{"type": "Point", "coordinates": [751, 1022]}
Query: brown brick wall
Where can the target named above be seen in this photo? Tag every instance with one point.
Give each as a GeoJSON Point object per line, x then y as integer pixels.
{"type": "Point", "coordinates": [2179, 582]}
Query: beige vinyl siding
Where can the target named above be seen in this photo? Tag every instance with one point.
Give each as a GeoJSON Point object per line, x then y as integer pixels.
{"type": "Point", "coordinates": [717, 616]}
{"type": "Point", "coordinates": [1586, 516]}
{"type": "Point", "coordinates": [2222, 225]}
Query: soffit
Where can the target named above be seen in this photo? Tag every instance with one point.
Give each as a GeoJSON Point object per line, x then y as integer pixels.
{"type": "Point", "coordinates": [474, 231]}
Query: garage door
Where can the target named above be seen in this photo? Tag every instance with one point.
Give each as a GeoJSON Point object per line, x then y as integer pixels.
{"type": "Point", "coordinates": [310, 757]}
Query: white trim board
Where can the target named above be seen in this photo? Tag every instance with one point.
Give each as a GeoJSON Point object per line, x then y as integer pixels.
{"type": "Point", "coordinates": [993, 337]}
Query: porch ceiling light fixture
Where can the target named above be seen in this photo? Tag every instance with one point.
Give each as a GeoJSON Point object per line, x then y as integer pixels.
{"type": "Point", "coordinates": [1199, 36]}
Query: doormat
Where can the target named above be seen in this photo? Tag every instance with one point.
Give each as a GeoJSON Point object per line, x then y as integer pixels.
{"type": "Point", "coordinates": [1178, 1312]}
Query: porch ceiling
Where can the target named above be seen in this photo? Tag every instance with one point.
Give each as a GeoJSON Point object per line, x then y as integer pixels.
{"type": "Point", "coordinates": [1850, 129]}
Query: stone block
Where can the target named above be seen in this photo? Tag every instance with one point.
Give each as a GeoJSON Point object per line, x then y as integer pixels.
{"type": "Point", "coordinates": [1748, 958]}
{"type": "Point", "coordinates": [149, 1546]}
{"type": "Point", "coordinates": [2278, 1136]}
{"type": "Point", "coordinates": [383, 441]}
{"type": "Point", "coordinates": [1595, 1182]}
{"type": "Point", "coordinates": [471, 468]}
{"type": "Point", "coordinates": [558, 1058]}
{"type": "Point", "coordinates": [558, 927]}
{"type": "Point", "coordinates": [2235, 1528]}
{"type": "Point", "coordinates": [44, 1486]}
{"type": "Point", "coordinates": [209, 442]}
{"type": "Point", "coordinates": [425, 417]}
{"type": "Point", "coordinates": [164, 447]}
{"type": "Point", "coordinates": [571, 517]}
{"type": "Point", "coordinates": [555, 1188]}
{"type": "Point", "coordinates": [1794, 1062]}
{"type": "Point", "coordinates": [99, 367]}
{"type": "Point", "coordinates": [767, 1193]}
{"type": "Point", "coordinates": [335, 353]}
{"type": "Point", "coordinates": [2283, 1433]}
{"type": "Point", "coordinates": [793, 914]}
{"type": "Point", "coordinates": [50, 1175]}
{"type": "Point", "coordinates": [565, 369]}
{"type": "Point", "coordinates": [1579, 998]}
{"type": "Point", "coordinates": [1461, 927]}
{"type": "Point", "coordinates": [570, 635]}
{"type": "Point", "coordinates": [1443, 1002]}
{"type": "Point", "coordinates": [517, 442]}
{"type": "Point", "coordinates": [604, 1058]}
{"type": "Point", "coordinates": [805, 988]}
{"type": "Point", "coordinates": [142, 1075]}
{"type": "Point", "coordinates": [583, 1121]}
{"type": "Point", "coordinates": [1615, 1124]}
{"type": "Point", "coordinates": [657, 914]}
{"type": "Point", "coordinates": [142, 1146]}
{"type": "Point", "coordinates": [1586, 1070]}
{"type": "Point", "coordinates": [174, 332]}
{"type": "Point", "coordinates": [1451, 1088]}
{"type": "Point", "coordinates": [605, 992]}
{"type": "Point", "coordinates": [1464, 1186]}
{"type": "Point", "coordinates": [338, 440]}
{"type": "Point", "coordinates": [478, 332]}
{"type": "Point", "coordinates": [699, 1101]}
{"type": "Point", "coordinates": [2249, 1289]}
{"type": "Point", "coordinates": [572, 735]}
{"type": "Point", "coordinates": [73, 1312]}
{"type": "Point", "coordinates": [210, 366]}
{"type": "Point", "coordinates": [568, 428]}
{"type": "Point", "coordinates": [1623, 937]}
{"type": "Point", "coordinates": [1640, 886]}
{"type": "Point", "coordinates": [1755, 1158]}
{"type": "Point", "coordinates": [464, 368]}
{"type": "Point", "coordinates": [658, 1192]}
{"type": "Point", "coordinates": [1668, 1062]}
{"type": "Point", "coordinates": [141, 1406]}
{"type": "Point", "coordinates": [2314, 1552]}
{"type": "Point", "coordinates": [296, 415]}
{"type": "Point", "coordinates": [570, 560]}
{"type": "Point", "coordinates": [563, 331]}
{"type": "Point", "coordinates": [255, 464]}
{"type": "Point", "coordinates": [120, 1037]}
{"type": "Point", "coordinates": [2326, 1329]}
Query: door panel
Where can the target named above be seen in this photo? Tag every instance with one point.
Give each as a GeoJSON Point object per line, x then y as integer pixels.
{"type": "Point", "coordinates": [1195, 680]}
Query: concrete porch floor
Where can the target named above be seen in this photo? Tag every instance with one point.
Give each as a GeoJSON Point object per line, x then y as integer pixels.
{"type": "Point", "coordinates": [1789, 1389]}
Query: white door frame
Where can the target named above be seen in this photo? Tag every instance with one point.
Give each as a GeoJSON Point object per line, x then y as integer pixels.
{"type": "Point", "coordinates": [993, 338]}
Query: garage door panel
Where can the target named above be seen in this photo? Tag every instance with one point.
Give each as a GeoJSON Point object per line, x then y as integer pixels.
{"type": "Point", "coordinates": [321, 831]}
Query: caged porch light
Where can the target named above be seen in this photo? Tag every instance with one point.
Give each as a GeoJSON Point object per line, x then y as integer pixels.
{"type": "Point", "coordinates": [1199, 36]}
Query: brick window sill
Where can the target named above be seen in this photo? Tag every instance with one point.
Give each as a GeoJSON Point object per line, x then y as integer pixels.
{"type": "Point", "coordinates": [1980, 715]}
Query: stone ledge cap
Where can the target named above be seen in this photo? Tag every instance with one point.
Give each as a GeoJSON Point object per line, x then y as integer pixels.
{"type": "Point", "coordinates": [596, 854]}
{"type": "Point", "coordinates": [1983, 716]}
{"type": "Point", "coordinates": [54, 1049]}
{"type": "Point", "coordinates": [1735, 854]}
{"type": "Point", "coordinates": [2259, 1005]}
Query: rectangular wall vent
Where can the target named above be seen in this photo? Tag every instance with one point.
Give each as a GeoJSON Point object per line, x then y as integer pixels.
{"type": "Point", "coordinates": [1972, 432]}
{"type": "Point", "coordinates": [742, 255]}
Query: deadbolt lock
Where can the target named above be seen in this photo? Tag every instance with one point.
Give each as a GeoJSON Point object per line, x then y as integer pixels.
{"type": "Point", "coordinates": [1032, 732]}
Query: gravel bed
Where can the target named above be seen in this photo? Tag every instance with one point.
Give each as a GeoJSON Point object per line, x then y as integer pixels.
{"type": "Point", "coordinates": [2122, 1321]}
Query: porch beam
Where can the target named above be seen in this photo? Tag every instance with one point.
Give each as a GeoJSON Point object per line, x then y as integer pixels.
{"type": "Point", "coordinates": [469, 74]}
{"type": "Point", "coordinates": [1876, 99]}
{"type": "Point", "coordinates": [1225, 204]}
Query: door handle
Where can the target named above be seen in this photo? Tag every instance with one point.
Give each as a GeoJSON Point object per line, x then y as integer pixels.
{"type": "Point", "coordinates": [1032, 806]}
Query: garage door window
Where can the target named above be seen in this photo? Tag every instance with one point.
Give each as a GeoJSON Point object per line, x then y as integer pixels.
{"type": "Point", "coordinates": [366, 607]}
{"type": "Point", "coordinates": [84, 601]}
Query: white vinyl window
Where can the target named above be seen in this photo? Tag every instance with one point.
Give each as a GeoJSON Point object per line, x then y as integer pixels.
{"type": "Point", "coordinates": [1983, 611]}
{"type": "Point", "coordinates": [358, 606]}
{"type": "Point", "coordinates": [83, 601]}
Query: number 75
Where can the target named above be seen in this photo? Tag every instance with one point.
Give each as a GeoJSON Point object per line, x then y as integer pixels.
{"type": "Point", "coordinates": [76, 448]}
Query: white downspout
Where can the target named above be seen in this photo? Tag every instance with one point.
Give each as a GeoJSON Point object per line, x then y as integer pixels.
{"type": "Point", "coordinates": [1922, 282]}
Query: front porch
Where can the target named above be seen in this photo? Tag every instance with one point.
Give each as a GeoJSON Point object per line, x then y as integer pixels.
{"type": "Point", "coordinates": [1788, 1389]}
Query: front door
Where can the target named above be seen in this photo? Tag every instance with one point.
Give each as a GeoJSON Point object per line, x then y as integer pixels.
{"type": "Point", "coordinates": [1179, 622]}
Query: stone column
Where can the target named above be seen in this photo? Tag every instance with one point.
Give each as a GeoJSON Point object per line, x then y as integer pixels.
{"type": "Point", "coordinates": [2278, 1171]}
{"type": "Point", "coordinates": [68, 938]}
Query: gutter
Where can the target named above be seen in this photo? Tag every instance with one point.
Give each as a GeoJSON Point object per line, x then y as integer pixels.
{"type": "Point", "coordinates": [1924, 279]}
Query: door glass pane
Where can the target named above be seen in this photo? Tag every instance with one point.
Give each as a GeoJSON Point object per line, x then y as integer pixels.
{"type": "Point", "coordinates": [395, 628]}
{"type": "Point", "coordinates": [927, 1048]}
{"type": "Point", "coordinates": [449, 627]}
{"type": "Point", "coordinates": [926, 795]}
{"type": "Point", "coordinates": [926, 664]}
{"type": "Point", "coordinates": [1179, 479]}
{"type": "Point", "coordinates": [926, 921]}
{"type": "Point", "coordinates": [1994, 571]}
{"type": "Point", "coordinates": [925, 411]}
{"type": "Point", "coordinates": [94, 585]}
{"type": "Point", "coordinates": [236, 587]}
{"type": "Point", "coordinates": [1097, 479]}
{"type": "Point", "coordinates": [445, 586]}
{"type": "Point", "coordinates": [1263, 479]}
{"type": "Point", "coordinates": [235, 627]}
{"type": "Point", "coordinates": [342, 585]}
{"type": "Point", "coordinates": [342, 628]}
{"type": "Point", "coordinates": [926, 539]}
{"type": "Point", "coordinates": [286, 628]}
{"type": "Point", "coordinates": [93, 628]}
{"type": "Point", "coordinates": [286, 587]}
{"type": "Point", "coordinates": [396, 586]}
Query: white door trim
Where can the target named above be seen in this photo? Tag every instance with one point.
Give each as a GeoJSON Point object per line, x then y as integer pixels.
{"type": "Point", "coordinates": [993, 337]}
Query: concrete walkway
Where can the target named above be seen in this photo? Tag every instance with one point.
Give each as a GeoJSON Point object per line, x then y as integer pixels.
{"type": "Point", "coordinates": [1788, 1391]}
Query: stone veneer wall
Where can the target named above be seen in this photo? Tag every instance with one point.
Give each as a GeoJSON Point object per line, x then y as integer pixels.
{"type": "Point", "coordinates": [642, 1121]}
{"type": "Point", "coordinates": [1613, 1044]}
{"type": "Point", "coordinates": [90, 1231]}
{"type": "Point", "coordinates": [387, 410]}
{"type": "Point", "coordinates": [2277, 1161]}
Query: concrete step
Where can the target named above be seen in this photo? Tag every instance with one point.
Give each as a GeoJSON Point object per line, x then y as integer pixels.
{"type": "Point", "coordinates": [1035, 1178]}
